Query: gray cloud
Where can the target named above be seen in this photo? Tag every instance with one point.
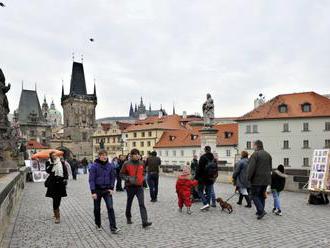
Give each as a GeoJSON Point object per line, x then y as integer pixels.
{"type": "Point", "coordinates": [168, 51]}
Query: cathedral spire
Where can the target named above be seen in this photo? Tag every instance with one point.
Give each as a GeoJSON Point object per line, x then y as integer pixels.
{"type": "Point", "coordinates": [131, 111]}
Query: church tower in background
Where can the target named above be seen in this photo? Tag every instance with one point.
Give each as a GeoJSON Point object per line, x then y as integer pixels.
{"type": "Point", "coordinates": [79, 113]}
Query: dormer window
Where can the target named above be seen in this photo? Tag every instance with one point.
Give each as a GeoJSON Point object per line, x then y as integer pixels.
{"type": "Point", "coordinates": [283, 108]}
{"type": "Point", "coordinates": [228, 135]}
{"type": "Point", "coordinates": [193, 136]}
{"type": "Point", "coordinates": [306, 107]}
{"type": "Point", "coordinates": [172, 138]}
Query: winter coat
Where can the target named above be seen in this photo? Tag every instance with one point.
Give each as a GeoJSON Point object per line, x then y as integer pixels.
{"type": "Point", "coordinates": [102, 176]}
{"type": "Point", "coordinates": [152, 164]}
{"type": "Point", "coordinates": [240, 173]}
{"type": "Point", "coordinates": [133, 168]}
{"type": "Point", "coordinates": [201, 173]}
{"type": "Point", "coordinates": [278, 181]}
{"type": "Point", "coordinates": [184, 185]}
{"type": "Point", "coordinates": [57, 185]}
{"type": "Point", "coordinates": [260, 168]}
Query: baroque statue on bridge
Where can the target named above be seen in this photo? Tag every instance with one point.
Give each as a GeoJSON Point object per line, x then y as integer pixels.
{"type": "Point", "coordinates": [208, 111]}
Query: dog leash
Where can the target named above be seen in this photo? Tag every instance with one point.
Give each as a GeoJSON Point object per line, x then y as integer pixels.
{"type": "Point", "coordinates": [231, 197]}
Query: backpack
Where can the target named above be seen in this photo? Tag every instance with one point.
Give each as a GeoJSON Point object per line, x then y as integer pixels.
{"type": "Point", "coordinates": [318, 199]}
{"type": "Point", "coordinates": [211, 171]}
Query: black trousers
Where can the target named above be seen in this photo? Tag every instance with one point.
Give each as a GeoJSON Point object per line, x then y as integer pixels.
{"type": "Point", "coordinates": [138, 192]}
{"type": "Point", "coordinates": [105, 194]}
{"type": "Point", "coordinates": [56, 202]}
{"type": "Point", "coordinates": [153, 180]}
{"type": "Point", "coordinates": [119, 183]}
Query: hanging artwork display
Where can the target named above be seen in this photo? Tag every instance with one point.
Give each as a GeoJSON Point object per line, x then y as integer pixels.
{"type": "Point", "coordinates": [319, 179]}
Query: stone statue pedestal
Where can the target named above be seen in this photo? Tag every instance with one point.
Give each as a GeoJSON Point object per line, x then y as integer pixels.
{"type": "Point", "coordinates": [208, 138]}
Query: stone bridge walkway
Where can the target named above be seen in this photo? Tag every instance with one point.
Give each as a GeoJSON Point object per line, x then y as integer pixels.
{"type": "Point", "coordinates": [300, 226]}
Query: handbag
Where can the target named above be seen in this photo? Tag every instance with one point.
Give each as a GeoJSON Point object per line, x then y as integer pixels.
{"type": "Point", "coordinates": [47, 182]}
{"type": "Point", "coordinates": [132, 180]}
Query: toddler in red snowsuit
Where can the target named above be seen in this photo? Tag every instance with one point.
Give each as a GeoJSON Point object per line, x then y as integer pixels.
{"type": "Point", "coordinates": [183, 189]}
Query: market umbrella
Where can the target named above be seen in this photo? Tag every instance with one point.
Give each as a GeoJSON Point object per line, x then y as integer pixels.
{"type": "Point", "coordinates": [44, 154]}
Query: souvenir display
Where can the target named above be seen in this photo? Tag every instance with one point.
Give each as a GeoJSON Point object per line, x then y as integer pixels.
{"type": "Point", "coordinates": [319, 179]}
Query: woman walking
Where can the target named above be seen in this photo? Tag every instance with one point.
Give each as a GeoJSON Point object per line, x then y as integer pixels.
{"type": "Point", "coordinates": [56, 182]}
{"type": "Point", "coordinates": [240, 177]}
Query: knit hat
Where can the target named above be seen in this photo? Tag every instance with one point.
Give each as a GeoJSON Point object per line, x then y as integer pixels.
{"type": "Point", "coordinates": [185, 171]}
{"type": "Point", "coordinates": [280, 168]}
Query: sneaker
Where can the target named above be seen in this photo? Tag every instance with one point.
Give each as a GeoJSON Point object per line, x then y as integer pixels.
{"type": "Point", "coordinates": [145, 225]}
{"type": "Point", "coordinates": [115, 230]}
{"type": "Point", "coordinates": [188, 211]}
{"type": "Point", "coordinates": [129, 221]}
{"type": "Point", "coordinates": [248, 206]}
{"type": "Point", "coordinates": [180, 210]}
{"type": "Point", "coordinates": [207, 206]}
{"type": "Point", "coordinates": [261, 215]}
{"type": "Point", "coordinates": [239, 203]}
{"type": "Point", "coordinates": [278, 212]}
{"type": "Point", "coordinates": [98, 227]}
{"type": "Point", "coordinates": [274, 210]}
{"type": "Point", "coordinates": [214, 205]}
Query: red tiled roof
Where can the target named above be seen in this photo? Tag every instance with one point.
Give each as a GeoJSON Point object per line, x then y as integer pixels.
{"type": "Point", "coordinates": [320, 107]}
{"type": "Point", "coordinates": [169, 122]}
{"type": "Point", "coordinates": [121, 125]}
{"type": "Point", "coordinates": [33, 144]}
{"type": "Point", "coordinates": [183, 137]}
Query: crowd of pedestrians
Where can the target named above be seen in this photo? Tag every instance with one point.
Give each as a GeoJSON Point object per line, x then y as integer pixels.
{"type": "Point", "coordinates": [251, 177]}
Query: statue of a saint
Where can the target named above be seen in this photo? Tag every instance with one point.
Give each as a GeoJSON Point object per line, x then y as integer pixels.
{"type": "Point", "coordinates": [102, 144]}
{"type": "Point", "coordinates": [4, 107]}
{"type": "Point", "coordinates": [208, 111]}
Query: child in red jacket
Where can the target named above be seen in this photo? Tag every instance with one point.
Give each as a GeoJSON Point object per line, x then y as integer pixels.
{"type": "Point", "coordinates": [183, 189]}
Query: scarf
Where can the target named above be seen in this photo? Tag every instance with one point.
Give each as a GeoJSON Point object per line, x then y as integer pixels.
{"type": "Point", "coordinates": [58, 168]}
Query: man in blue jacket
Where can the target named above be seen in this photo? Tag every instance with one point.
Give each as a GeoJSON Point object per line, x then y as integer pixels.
{"type": "Point", "coordinates": [101, 181]}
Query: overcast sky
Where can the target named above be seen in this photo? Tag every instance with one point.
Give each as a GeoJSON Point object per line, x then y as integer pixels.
{"type": "Point", "coordinates": [167, 51]}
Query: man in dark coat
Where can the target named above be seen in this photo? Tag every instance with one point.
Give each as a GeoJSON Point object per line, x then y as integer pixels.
{"type": "Point", "coordinates": [193, 168]}
{"type": "Point", "coordinates": [74, 167]}
{"type": "Point", "coordinates": [204, 182]}
{"type": "Point", "coordinates": [152, 164]}
{"type": "Point", "coordinates": [259, 176]}
{"type": "Point", "coordinates": [121, 161]}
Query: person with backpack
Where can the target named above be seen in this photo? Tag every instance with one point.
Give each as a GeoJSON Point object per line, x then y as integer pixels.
{"type": "Point", "coordinates": [278, 184]}
{"type": "Point", "coordinates": [259, 176]}
{"type": "Point", "coordinates": [152, 164]}
{"type": "Point", "coordinates": [56, 183]}
{"type": "Point", "coordinates": [102, 178]}
{"type": "Point", "coordinates": [206, 174]}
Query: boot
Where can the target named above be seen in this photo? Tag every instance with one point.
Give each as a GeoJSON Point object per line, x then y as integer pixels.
{"type": "Point", "coordinates": [248, 201]}
{"type": "Point", "coordinates": [57, 216]}
{"type": "Point", "coordinates": [240, 199]}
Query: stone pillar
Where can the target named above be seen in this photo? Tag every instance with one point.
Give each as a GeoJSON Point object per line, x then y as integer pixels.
{"type": "Point", "coordinates": [208, 138]}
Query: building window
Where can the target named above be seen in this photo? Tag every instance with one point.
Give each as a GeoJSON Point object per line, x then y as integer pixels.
{"type": "Point", "coordinates": [286, 162]}
{"type": "Point", "coordinates": [143, 134]}
{"type": "Point", "coordinates": [306, 107]}
{"type": "Point", "coordinates": [142, 144]}
{"type": "Point", "coordinates": [306, 162]}
{"type": "Point", "coordinates": [228, 135]}
{"type": "Point", "coordinates": [134, 135]}
{"type": "Point", "coordinates": [248, 129]}
{"type": "Point", "coordinates": [327, 143]}
{"type": "Point", "coordinates": [248, 145]}
{"type": "Point", "coordinates": [182, 153]}
{"type": "Point", "coordinates": [32, 133]}
{"type": "Point", "coordinates": [286, 127]}
{"type": "Point", "coordinates": [286, 144]}
{"type": "Point", "coordinates": [84, 136]}
{"type": "Point", "coordinates": [255, 128]}
{"type": "Point", "coordinates": [327, 126]}
{"type": "Point", "coordinates": [305, 126]}
{"type": "Point", "coordinates": [149, 134]}
{"type": "Point", "coordinates": [174, 153]}
{"type": "Point", "coordinates": [113, 139]}
{"type": "Point", "coordinates": [305, 144]}
{"type": "Point", "coordinates": [194, 152]}
{"type": "Point", "coordinates": [108, 140]}
{"type": "Point", "coordinates": [148, 143]}
{"type": "Point", "coordinates": [134, 144]}
{"type": "Point", "coordinates": [142, 153]}
{"type": "Point", "coordinates": [160, 153]}
{"type": "Point", "coordinates": [43, 134]}
{"type": "Point", "coordinates": [228, 153]}
{"type": "Point", "coordinates": [166, 153]}
{"type": "Point", "coordinates": [283, 108]}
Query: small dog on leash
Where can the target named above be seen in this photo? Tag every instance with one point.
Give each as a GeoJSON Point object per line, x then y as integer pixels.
{"type": "Point", "coordinates": [225, 205]}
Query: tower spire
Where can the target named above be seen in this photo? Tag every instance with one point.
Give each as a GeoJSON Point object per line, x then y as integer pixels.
{"type": "Point", "coordinates": [173, 109]}
{"type": "Point", "coordinates": [62, 88]}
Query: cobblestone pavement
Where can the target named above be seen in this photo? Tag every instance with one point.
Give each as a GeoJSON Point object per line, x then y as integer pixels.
{"type": "Point", "coordinates": [300, 226]}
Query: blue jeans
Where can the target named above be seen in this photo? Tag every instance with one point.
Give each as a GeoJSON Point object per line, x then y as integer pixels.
{"type": "Point", "coordinates": [258, 196]}
{"type": "Point", "coordinates": [213, 195]}
{"type": "Point", "coordinates": [276, 196]}
{"type": "Point", "coordinates": [105, 194]}
{"type": "Point", "coordinates": [153, 180]}
{"type": "Point", "coordinates": [208, 189]}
